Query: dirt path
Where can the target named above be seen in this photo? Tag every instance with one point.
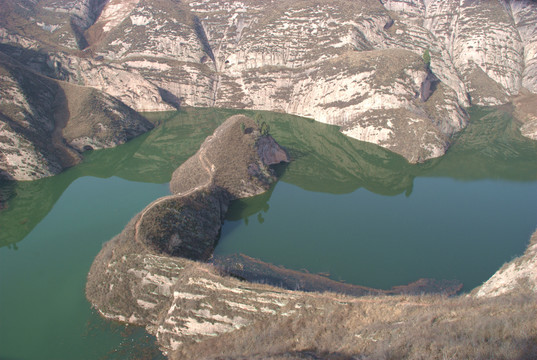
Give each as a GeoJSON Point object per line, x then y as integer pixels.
{"type": "Point", "coordinates": [207, 166]}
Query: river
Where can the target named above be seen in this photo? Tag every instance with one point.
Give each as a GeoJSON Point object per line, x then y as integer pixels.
{"type": "Point", "coordinates": [350, 209]}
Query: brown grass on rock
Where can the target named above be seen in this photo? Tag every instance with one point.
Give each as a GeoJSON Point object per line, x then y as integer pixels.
{"type": "Point", "coordinates": [413, 327]}
{"type": "Point", "coordinates": [196, 312]}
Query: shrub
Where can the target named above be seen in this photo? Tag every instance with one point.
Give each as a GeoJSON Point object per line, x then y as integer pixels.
{"type": "Point", "coordinates": [258, 118]}
{"type": "Point", "coordinates": [265, 128]}
{"type": "Point", "coordinates": [427, 57]}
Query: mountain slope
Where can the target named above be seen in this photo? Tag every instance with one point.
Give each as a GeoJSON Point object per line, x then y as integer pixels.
{"type": "Point", "coordinates": [45, 123]}
{"type": "Point", "coordinates": [358, 64]}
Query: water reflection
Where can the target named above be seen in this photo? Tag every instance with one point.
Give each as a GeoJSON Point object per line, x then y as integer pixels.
{"type": "Point", "coordinates": [324, 160]}
{"type": "Point", "coordinates": [149, 158]}
{"type": "Point", "coordinates": [244, 208]}
{"type": "Point", "coordinates": [491, 147]}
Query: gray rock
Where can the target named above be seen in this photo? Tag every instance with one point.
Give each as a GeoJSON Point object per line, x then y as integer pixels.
{"type": "Point", "coordinates": [45, 124]}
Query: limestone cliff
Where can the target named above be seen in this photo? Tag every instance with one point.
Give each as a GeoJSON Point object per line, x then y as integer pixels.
{"type": "Point", "coordinates": [45, 124]}
{"type": "Point", "coordinates": [357, 64]}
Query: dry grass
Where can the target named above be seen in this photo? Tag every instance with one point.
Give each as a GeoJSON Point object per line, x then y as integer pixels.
{"type": "Point", "coordinates": [431, 327]}
{"type": "Point", "coordinates": [185, 226]}
{"type": "Point", "coordinates": [482, 86]}
{"type": "Point", "coordinates": [227, 156]}
{"type": "Point", "coordinates": [89, 112]}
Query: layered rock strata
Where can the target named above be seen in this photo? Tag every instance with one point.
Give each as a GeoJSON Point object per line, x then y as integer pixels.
{"type": "Point", "coordinates": [45, 124]}
{"type": "Point", "coordinates": [355, 64]}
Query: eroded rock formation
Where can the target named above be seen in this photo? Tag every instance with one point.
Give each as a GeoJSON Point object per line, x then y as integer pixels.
{"type": "Point", "coordinates": [355, 64]}
{"type": "Point", "coordinates": [46, 123]}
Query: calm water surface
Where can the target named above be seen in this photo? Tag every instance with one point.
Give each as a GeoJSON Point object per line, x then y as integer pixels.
{"type": "Point", "coordinates": [351, 209]}
{"type": "Point", "coordinates": [382, 241]}
{"type": "Point", "coordinates": [43, 310]}
{"type": "Point", "coordinates": [365, 216]}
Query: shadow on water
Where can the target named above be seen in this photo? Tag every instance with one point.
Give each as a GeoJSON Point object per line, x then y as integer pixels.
{"type": "Point", "coordinates": [244, 208]}
{"type": "Point", "coordinates": [324, 160]}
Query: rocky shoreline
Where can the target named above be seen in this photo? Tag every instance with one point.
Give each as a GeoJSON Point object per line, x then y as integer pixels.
{"type": "Point", "coordinates": [175, 231]}
{"type": "Point", "coordinates": [254, 270]}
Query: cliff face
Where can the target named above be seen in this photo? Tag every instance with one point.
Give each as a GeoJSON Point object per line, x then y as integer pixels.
{"type": "Point", "coordinates": [357, 64]}
{"type": "Point", "coordinates": [45, 124]}
{"type": "Point", "coordinates": [26, 123]}
{"type": "Point", "coordinates": [337, 63]}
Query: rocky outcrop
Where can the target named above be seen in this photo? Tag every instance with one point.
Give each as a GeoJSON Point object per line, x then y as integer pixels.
{"type": "Point", "coordinates": [524, 15]}
{"type": "Point", "coordinates": [53, 23]}
{"type": "Point", "coordinates": [525, 112]}
{"type": "Point", "coordinates": [116, 80]}
{"type": "Point", "coordinates": [146, 272]}
{"type": "Point", "coordinates": [356, 64]}
{"type": "Point", "coordinates": [26, 125]}
{"type": "Point", "coordinates": [45, 124]}
{"type": "Point", "coordinates": [518, 275]}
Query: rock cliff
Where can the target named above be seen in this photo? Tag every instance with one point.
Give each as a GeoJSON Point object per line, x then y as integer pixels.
{"type": "Point", "coordinates": [356, 64]}
{"type": "Point", "coordinates": [45, 124]}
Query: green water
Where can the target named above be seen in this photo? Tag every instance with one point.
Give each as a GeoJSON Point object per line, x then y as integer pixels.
{"type": "Point", "coordinates": [348, 208]}
{"type": "Point", "coordinates": [43, 311]}
{"type": "Point", "coordinates": [52, 229]}
{"type": "Point", "coordinates": [459, 217]}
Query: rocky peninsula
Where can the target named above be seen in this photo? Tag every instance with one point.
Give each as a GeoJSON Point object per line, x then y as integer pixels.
{"type": "Point", "coordinates": [154, 274]}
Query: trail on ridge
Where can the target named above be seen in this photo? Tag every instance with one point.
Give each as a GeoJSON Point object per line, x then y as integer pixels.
{"type": "Point", "coordinates": [207, 166]}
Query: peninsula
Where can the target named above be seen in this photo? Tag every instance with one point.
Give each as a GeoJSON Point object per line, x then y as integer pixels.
{"type": "Point", "coordinates": [154, 274]}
